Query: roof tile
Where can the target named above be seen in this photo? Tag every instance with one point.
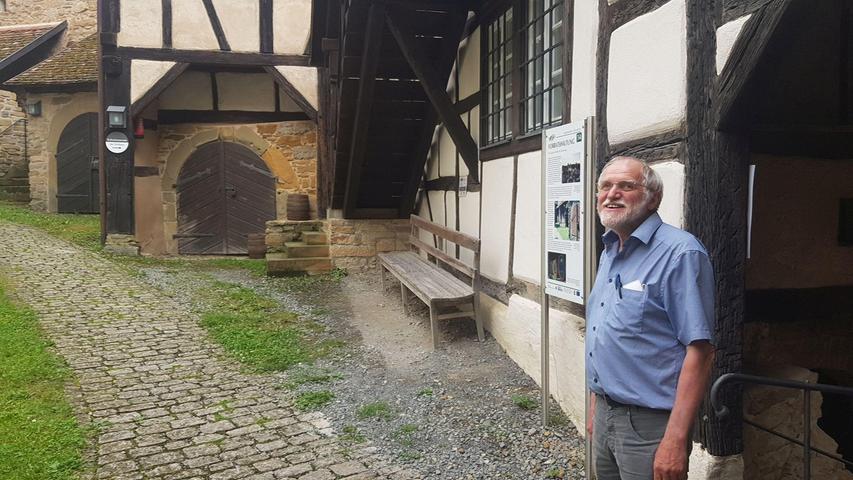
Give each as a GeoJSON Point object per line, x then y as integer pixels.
{"type": "Point", "coordinates": [76, 63]}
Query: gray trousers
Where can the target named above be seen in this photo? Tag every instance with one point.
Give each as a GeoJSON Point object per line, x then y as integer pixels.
{"type": "Point", "coordinates": [625, 439]}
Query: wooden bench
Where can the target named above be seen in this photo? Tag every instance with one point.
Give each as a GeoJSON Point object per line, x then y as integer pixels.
{"type": "Point", "coordinates": [446, 295]}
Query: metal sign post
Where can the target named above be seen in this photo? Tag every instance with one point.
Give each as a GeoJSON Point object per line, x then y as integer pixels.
{"type": "Point", "coordinates": [567, 225]}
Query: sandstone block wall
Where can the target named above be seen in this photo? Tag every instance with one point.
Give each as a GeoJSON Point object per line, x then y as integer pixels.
{"type": "Point", "coordinates": [280, 232]}
{"type": "Point", "coordinates": [355, 243]}
{"type": "Point", "coordinates": [82, 15]}
{"type": "Point", "coordinates": [13, 159]}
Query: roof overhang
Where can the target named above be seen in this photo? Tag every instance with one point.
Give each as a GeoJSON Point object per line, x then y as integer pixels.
{"type": "Point", "coordinates": [33, 53]}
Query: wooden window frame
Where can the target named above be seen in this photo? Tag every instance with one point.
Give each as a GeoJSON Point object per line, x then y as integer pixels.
{"type": "Point", "coordinates": [521, 140]}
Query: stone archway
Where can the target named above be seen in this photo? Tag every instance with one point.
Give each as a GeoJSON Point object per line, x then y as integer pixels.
{"type": "Point", "coordinates": [224, 193]}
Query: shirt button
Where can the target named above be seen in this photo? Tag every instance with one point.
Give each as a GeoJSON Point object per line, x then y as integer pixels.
{"type": "Point", "coordinates": [609, 280]}
{"type": "Point", "coordinates": [590, 354]}
{"type": "Point", "coordinates": [602, 304]}
{"type": "Point", "coordinates": [593, 329]}
{"type": "Point", "coordinates": [594, 380]}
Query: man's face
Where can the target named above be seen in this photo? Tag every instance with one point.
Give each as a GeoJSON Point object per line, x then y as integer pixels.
{"type": "Point", "coordinates": [623, 209]}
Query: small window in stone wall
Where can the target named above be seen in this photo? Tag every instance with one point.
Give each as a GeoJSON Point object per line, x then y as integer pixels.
{"type": "Point", "coordinates": [845, 222]}
{"type": "Point", "coordinates": [2, 5]}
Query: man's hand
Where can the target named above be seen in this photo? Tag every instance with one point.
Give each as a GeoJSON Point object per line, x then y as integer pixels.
{"type": "Point", "coordinates": [671, 456]}
{"type": "Point", "coordinates": [671, 461]}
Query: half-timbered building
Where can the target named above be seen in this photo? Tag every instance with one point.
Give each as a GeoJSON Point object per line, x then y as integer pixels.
{"type": "Point", "coordinates": [416, 94]}
{"type": "Point", "coordinates": [214, 110]}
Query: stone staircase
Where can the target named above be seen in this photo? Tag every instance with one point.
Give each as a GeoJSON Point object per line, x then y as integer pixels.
{"type": "Point", "coordinates": [295, 247]}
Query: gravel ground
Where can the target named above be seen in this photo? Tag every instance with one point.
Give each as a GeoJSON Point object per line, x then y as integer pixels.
{"type": "Point", "coordinates": [452, 412]}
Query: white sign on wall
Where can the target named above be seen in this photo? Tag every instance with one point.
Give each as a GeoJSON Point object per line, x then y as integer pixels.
{"type": "Point", "coordinates": [117, 142]}
{"type": "Point", "coordinates": [564, 166]}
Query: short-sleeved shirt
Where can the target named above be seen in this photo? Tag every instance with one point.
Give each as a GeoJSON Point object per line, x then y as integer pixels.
{"type": "Point", "coordinates": [637, 335]}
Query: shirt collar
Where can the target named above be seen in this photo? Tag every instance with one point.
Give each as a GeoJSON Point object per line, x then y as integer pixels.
{"type": "Point", "coordinates": [643, 233]}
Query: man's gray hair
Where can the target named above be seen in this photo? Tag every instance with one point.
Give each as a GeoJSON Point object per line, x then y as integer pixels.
{"type": "Point", "coordinates": [651, 179]}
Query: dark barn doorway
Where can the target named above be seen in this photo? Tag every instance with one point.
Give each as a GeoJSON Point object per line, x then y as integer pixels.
{"type": "Point", "coordinates": [77, 183]}
{"type": "Point", "coordinates": [225, 192]}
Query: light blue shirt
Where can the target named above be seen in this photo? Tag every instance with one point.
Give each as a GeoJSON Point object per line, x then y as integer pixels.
{"type": "Point", "coordinates": [648, 303]}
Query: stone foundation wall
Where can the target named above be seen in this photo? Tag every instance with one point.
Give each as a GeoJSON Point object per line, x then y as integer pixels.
{"type": "Point", "coordinates": [43, 132]}
{"type": "Point", "coordinates": [82, 15]}
{"type": "Point", "coordinates": [355, 243]}
{"type": "Point", "coordinates": [280, 232]}
{"type": "Point", "coordinates": [13, 153]}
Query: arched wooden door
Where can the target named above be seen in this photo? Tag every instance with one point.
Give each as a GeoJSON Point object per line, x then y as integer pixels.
{"type": "Point", "coordinates": [225, 192]}
{"type": "Point", "coordinates": [77, 183]}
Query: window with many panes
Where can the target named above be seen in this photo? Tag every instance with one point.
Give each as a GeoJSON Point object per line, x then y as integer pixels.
{"type": "Point", "coordinates": [499, 79]}
{"type": "Point", "coordinates": [527, 49]}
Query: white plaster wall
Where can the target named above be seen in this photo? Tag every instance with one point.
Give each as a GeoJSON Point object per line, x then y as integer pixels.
{"type": "Point", "coordinates": [527, 260]}
{"type": "Point", "coordinates": [191, 28]}
{"type": "Point", "coordinates": [672, 207]}
{"type": "Point", "coordinates": [304, 79]}
{"type": "Point", "coordinates": [191, 91]}
{"type": "Point", "coordinates": [647, 79]}
{"type": "Point", "coordinates": [291, 25]}
{"type": "Point", "coordinates": [436, 206]}
{"type": "Point", "coordinates": [447, 151]}
{"type": "Point", "coordinates": [469, 221]}
{"type": "Point", "coordinates": [144, 74]}
{"type": "Point", "coordinates": [726, 37]}
{"type": "Point", "coordinates": [497, 208]}
{"type": "Point", "coordinates": [703, 465]}
{"type": "Point", "coordinates": [141, 24]}
{"type": "Point", "coordinates": [583, 60]}
{"type": "Point", "coordinates": [254, 92]}
{"type": "Point", "coordinates": [469, 66]}
{"type": "Point", "coordinates": [450, 221]}
{"type": "Point", "coordinates": [517, 328]}
{"type": "Point", "coordinates": [240, 22]}
{"type": "Point", "coordinates": [432, 161]}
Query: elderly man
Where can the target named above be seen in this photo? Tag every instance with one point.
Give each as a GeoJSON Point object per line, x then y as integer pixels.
{"type": "Point", "coordinates": [650, 320]}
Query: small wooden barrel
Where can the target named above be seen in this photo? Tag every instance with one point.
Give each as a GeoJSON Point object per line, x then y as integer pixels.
{"type": "Point", "coordinates": [257, 245]}
{"type": "Point", "coordinates": [298, 207]}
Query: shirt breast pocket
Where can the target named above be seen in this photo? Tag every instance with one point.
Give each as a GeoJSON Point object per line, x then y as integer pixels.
{"type": "Point", "coordinates": [628, 310]}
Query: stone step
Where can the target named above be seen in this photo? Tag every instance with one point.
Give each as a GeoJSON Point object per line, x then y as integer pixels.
{"type": "Point", "coordinates": [303, 250]}
{"type": "Point", "coordinates": [315, 238]}
{"type": "Point", "coordinates": [280, 264]}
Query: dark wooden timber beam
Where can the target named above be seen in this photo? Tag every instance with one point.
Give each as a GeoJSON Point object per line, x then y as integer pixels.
{"type": "Point", "coordinates": [293, 93]}
{"type": "Point", "coordinates": [158, 88]}
{"type": "Point", "coordinates": [266, 26]}
{"type": "Point", "coordinates": [217, 25]}
{"type": "Point", "coordinates": [420, 154]}
{"type": "Point", "coordinates": [369, 66]}
{"type": "Point", "coordinates": [170, 117]}
{"type": "Point", "coordinates": [213, 57]}
{"type": "Point", "coordinates": [434, 90]}
{"type": "Point", "coordinates": [744, 58]}
{"type": "Point", "coordinates": [167, 23]}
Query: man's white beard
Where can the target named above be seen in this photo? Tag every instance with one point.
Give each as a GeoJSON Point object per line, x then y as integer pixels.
{"type": "Point", "coordinates": [624, 219]}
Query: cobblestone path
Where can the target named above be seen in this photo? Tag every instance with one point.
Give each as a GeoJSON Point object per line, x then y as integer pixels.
{"type": "Point", "coordinates": [166, 403]}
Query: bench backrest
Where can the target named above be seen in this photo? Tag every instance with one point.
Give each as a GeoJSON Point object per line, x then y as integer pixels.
{"type": "Point", "coordinates": [444, 233]}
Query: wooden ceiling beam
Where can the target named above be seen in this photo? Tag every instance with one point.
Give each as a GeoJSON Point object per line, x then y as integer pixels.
{"type": "Point", "coordinates": [369, 66]}
{"type": "Point", "coordinates": [435, 91]}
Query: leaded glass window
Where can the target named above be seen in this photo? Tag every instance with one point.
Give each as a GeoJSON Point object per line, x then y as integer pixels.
{"type": "Point", "coordinates": [542, 65]}
{"type": "Point", "coordinates": [499, 64]}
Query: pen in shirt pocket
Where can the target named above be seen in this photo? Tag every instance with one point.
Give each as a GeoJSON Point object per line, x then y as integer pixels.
{"type": "Point", "coordinates": [618, 285]}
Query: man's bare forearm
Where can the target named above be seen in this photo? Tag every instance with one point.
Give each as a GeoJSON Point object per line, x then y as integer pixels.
{"type": "Point", "coordinates": [692, 385]}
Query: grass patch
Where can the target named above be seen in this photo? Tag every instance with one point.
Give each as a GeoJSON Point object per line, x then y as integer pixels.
{"type": "Point", "coordinates": [407, 455]}
{"type": "Point", "coordinates": [524, 402]}
{"type": "Point", "coordinates": [313, 400]}
{"type": "Point", "coordinates": [82, 230]}
{"type": "Point", "coordinates": [257, 332]}
{"type": "Point", "coordinates": [351, 434]}
{"type": "Point", "coordinates": [555, 472]}
{"type": "Point", "coordinates": [377, 410]}
{"type": "Point", "coordinates": [41, 439]}
{"type": "Point", "coordinates": [310, 375]}
{"type": "Point", "coordinates": [404, 434]}
{"type": "Point", "coordinates": [425, 392]}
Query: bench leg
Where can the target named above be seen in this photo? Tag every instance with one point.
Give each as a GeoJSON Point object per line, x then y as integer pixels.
{"type": "Point", "coordinates": [382, 276]}
{"type": "Point", "coordinates": [404, 293]}
{"type": "Point", "coordinates": [479, 321]}
{"type": "Point", "coordinates": [433, 323]}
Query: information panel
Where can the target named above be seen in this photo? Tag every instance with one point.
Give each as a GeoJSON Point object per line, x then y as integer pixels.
{"type": "Point", "coordinates": [563, 167]}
